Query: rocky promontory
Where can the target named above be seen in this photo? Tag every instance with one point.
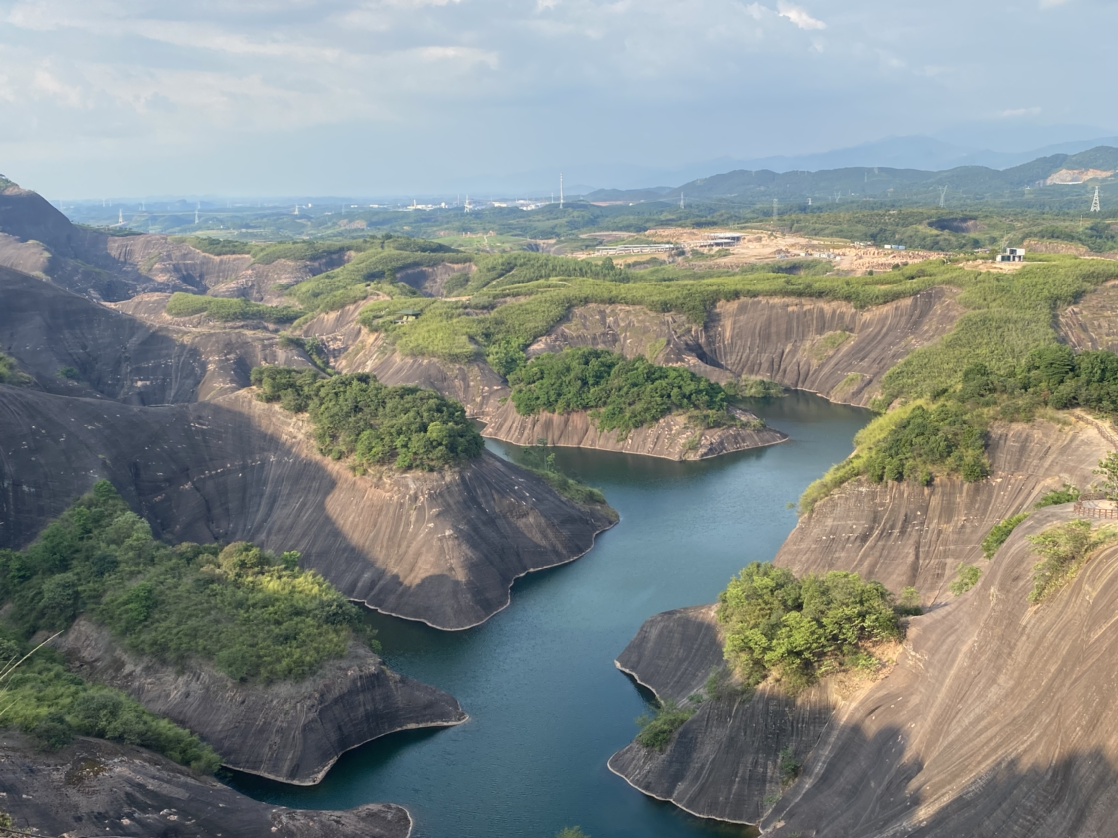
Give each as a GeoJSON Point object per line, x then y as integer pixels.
{"type": "Point", "coordinates": [673, 438]}
{"type": "Point", "coordinates": [987, 724]}
{"type": "Point", "coordinates": [93, 787]}
{"type": "Point", "coordinates": [292, 732]}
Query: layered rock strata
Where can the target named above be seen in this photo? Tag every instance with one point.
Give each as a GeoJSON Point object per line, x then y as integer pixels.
{"type": "Point", "coordinates": [93, 787]}
{"type": "Point", "coordinates": [442, 547]}
{"type": "Point", "coordinates": [292, 732]}
{"type": "Point", "coordinates": [975, 717]}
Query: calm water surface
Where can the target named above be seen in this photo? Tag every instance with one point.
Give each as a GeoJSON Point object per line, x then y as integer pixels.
{"type": "Point", "coordinates": [547, 706]}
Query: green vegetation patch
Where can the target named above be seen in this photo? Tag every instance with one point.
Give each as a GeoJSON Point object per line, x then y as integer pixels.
{"type": "Point", "coordinates": [10, 373]}
{"type": "Point", "coordinates": [913, 443]}
{"type": "Point", "coordinates": [53, 705]}
{"type": "Point", "coordinates": [217, 247]}
{"type": "Point", "coordinates": [966, 577]}
{"type": "Point", "coordinates": [1064, 549]}
{"type": "Point", "coordinates": [1009, 316]}
{"type": "Point", "coordinates": [620, 394]}
{"type": "Point", "coordinates": [998, 535]}
{"type": "Point", "coordinates": [1068, 494]}
{"type": "Point", "coordinates": [540, 460]}
{"type": "Point", "coordinates": [357, 418]}
{"type": "Point", "coordinates": [799, 629]}
{"type": "Point", "coordinates": [255, 616]}
{"type": "Point", "coordinates": [658, 729]}
{"type": "Point", "coordinates": [229, 309]}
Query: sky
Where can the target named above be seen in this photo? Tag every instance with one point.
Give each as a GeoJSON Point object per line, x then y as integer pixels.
{"type": "Point", "coordinates": [349, 97]}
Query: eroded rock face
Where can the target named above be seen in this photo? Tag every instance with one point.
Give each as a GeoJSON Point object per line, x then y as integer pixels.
{"type": "Point", "coordinates": [292, 732]}
{"type": "Point", "coordinates": [672, 438]}
{"type": "Point", "coordinates": [725, 761]}
{"type": "Point", "coordinates": [46, 328]}
{"type": "Point", "coordinates": [991, 723]}
{"type": "Point", "coordinates": [997, 720]}
{"type": "Point", "coordinates": [901, 534]}
{"type": "Point", "coordinates": [829, 348]}
{"type": "Point", "coordinates": [443, 548]}
{"type": "Point", "coordinates": [94, 787]}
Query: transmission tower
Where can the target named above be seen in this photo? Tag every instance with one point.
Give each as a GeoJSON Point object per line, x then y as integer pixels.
{"type": "Point", "coordinates": [120, 218]}
{"type": "Point", "coordinates": [1095, 206]}
{"type": "Point", "coordinates": [467, 205]}
{"type": "Point", "coordinates": [774, 209]}
{"type": "Point", "coordinates": [561, 190]}
{"type": "Point", "coordinates": [943, 197]}
{"type": "Point", "coordinates": [196, 215]}
{"type": "Point", "coordinates": [681, 204]}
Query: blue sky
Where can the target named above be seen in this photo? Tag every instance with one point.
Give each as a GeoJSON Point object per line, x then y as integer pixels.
{"type": "Point", "coordinates": [135, 97]}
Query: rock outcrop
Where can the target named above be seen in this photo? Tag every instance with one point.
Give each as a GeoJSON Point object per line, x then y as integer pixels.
{"type": "Point", "coordinates": [292, 732]}
{"type": "Point", "coordinates": [997, 719]}
{"type": "Point", "coordinates": [443, 548]}
{"type": "Point", "coordinates": [991, 722]}
{"type": "Point", "coordinates": [94, 787]}
{"type": "Point", "coordinates": [672, 438]}
{"type": "Point", "coordinates": [726, 759]}
{"type": "Point", "coordinates": [901, 534]}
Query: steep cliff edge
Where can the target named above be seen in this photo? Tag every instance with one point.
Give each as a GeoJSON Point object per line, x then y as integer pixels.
{"type": "Point", "coordinates": [726, 759]}
{"type": "Point", "coordinates": [829, 348]}
{"type": "Point", "coordinates": [292, 732]}
{"type": "Point", "coordinates": [117, 356]}
{"type": "Point", "coordinates": [96, 787]}
{"type": "Point", "coordinates": [443, 548]}
{"type": "Point", "coordinates": [672, 438]}
{"type": "Point", "coordinates": [997, 720]}
{"type": "Point", "coordinates": [901, 534]}
{"type": "Point", "coordinates": [990, 702]}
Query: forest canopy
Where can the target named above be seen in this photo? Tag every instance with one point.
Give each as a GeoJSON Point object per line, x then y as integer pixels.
{"type": "Point", "coordinates": [620, 394]}
{"type": "Point", "coordinates": [357, 418]}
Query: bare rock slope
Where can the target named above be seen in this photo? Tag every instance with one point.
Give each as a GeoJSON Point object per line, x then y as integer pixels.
{"type": "Point", "coordinates": [443, 548]}
{"type": "Point", "coordinates": [991, 702]}
{"type": "Point", "coordinates": [94, 787]}
{"type": "Point", "coordinates": [292, 732]}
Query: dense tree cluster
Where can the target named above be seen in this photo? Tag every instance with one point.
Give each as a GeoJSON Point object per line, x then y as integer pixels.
{"type": "Point", "coordinates": [356, 417]}
{"type": "Point", "coordinates": [924, 440]}
{"type": "Point", "coordinates": [799, 629]}
{"type": "Point", "coordinates": [229, 309]}
{"type": "Point", "coordinates": [620, 394]}
{"type": "Point", "coordinates": [252, 615]}
{"type": "Point", "coordinates": [1054, 376]}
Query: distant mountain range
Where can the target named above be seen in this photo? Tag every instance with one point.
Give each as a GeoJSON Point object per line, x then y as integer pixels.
{"type": "Point", "coordinates": [969, 145]}
{"type": "Point", "coordinates": [841, 184]}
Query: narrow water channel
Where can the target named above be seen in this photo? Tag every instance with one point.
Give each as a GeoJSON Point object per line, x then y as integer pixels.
{"type": "Point", "coordinates": [547, 706]}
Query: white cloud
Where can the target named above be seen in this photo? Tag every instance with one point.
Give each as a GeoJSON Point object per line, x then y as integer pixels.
{"type": "Point", "coordinates": [1013, 113]}
{"type": "Point", "coordinates": [798, 16]}
{"type": "Point", "coordinates": [1051, 4]}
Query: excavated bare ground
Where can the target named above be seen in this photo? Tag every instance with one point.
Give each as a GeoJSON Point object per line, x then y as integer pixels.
{"type": "Point", "coordinates": [93, 787]}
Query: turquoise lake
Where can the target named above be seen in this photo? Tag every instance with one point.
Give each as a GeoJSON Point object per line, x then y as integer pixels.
{"type": "Point", "coordinates": [547, 705]}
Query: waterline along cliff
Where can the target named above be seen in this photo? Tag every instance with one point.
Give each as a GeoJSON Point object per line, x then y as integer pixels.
{"type": "Point", "coordinates": [218, 456]}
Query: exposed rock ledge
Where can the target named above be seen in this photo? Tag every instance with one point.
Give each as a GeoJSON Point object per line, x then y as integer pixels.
{"type": "Point", "coordinates": [992, 722]}
{"type": "Point", "coordinates": [443, 548]}
{"type": "Point", "coordinates": [100, 788]}
{"type": "Point", "coordinates": [725, 760]}
{"type": "Point", "coordinates": [291, 732]}
{"type": "Point", "coordinates": [671, 438]}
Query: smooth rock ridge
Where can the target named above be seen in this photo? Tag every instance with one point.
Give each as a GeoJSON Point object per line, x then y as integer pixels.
{"type": "Point", "coordinates": [93, 787]}
{"type": "Point", "coordinates": [292, 732]}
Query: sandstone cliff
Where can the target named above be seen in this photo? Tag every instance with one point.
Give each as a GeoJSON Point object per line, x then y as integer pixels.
{"type": "Point", "coordinates": [725, 761]}
{"type": "Point", "coordinates": [443, 548]}
{"type": "Point", "coordinates": [671, 438]}
{"type": "Point", "coordinates": [96, 787]}
{"type": "Point", "coordinates": [829, 348]}
{"type": "Point", "coordinates": [990, 703]}
{"type": "Point", "coordinates": [901, 534]}
{"type": "Point", "coordinates": [997, 720]}
{"type": "Point", "coordinates": [292, 732]}
{"type": "Point", "coordinates": [486, 397]}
